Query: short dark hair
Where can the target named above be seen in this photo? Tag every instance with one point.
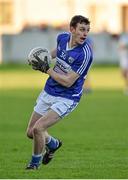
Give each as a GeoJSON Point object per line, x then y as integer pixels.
{"type": "Point", "coordinates": [78, 19]}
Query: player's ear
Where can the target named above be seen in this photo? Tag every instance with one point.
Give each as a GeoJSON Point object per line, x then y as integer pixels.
{"type": "Point", "coordinates": [72, 29]}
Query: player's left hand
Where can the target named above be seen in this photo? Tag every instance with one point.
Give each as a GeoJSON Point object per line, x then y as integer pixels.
{"type": "Point", "coordinates": [41, 65]}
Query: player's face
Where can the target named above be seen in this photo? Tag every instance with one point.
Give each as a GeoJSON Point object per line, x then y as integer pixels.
{"type": "Point", "coordinates": [79, 33]}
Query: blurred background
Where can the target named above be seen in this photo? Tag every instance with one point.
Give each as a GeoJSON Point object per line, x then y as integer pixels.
{"type": "Point", "coordinates": [25, 24]}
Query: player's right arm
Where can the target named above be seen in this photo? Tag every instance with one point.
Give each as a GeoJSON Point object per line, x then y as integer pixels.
{"type": "Point", "coordinates": [66, 80]}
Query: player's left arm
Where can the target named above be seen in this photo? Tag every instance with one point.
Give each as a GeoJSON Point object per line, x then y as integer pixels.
{"type": "Point", "coordinates": [66, 80]}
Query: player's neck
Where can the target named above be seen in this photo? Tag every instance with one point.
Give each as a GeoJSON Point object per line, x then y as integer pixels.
{"type": "Point", "coordinates": [71, 43]}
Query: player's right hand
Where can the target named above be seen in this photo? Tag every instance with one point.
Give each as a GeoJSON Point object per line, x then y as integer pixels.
{"type": "Point", "coordinates": [41, 65]}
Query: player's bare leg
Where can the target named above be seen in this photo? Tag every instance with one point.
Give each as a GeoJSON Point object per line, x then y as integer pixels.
{"type": "Point", "coordinates": [39, 134]}
{"type": "Point", "coordinates": [34, 118]}
{"type": "Point", "coordinates": [39, 130]}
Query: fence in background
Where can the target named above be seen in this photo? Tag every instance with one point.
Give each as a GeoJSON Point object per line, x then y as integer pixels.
{"type": "Point", "coordinates": [15, 48]}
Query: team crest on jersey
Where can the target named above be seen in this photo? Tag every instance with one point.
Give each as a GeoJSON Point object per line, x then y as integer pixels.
{"type": "Point", "coordinates": [71, 59]}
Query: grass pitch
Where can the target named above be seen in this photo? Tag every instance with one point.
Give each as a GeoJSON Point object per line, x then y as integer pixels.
{"type": "Point", "coordinates": [95, 143]}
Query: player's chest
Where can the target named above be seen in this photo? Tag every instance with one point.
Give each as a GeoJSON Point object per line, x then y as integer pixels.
{"type": "Point", "coordinates": [68, 56]}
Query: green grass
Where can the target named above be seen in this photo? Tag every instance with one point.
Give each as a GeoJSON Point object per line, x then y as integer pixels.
{"type": "Point", "coordinates": [95, 143]}
{"type": "Point", "coordinates": [22, 76]}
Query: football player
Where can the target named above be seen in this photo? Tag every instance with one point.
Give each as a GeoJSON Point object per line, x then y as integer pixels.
{"type": "Point", "coordinates": [63, 88]}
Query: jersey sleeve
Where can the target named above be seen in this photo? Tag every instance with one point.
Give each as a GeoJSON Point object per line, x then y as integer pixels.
{"type": "Point", "coordinates": [82, 63]}
{"type": "Point", "coordinates": [58, 38]}
{"type": "Point", "coordinates": [62, 36]}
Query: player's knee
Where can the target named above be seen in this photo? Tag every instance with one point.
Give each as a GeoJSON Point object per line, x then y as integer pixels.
{"type": "Point", "coordinates": [36, 130]}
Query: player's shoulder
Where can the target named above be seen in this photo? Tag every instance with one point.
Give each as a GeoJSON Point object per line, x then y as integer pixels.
{"type": "Point", "coordinates": [86, 50]}
{"type": "Point", "coordinates": [63, 35]}
{"type": "Point", "coordinates": [87, 45]}
{"type": "Point", "coordinates": [89, 41]}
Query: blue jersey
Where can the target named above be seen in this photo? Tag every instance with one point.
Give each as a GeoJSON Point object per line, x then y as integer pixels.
{"type": "Point", "coordinates": [77, 59]}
